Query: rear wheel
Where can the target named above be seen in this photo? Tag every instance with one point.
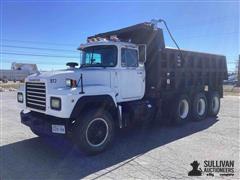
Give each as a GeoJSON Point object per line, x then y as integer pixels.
{"type": "Point", "coordinates": [199, 107]}
{"type": "Point", "coordinates": [94, 132]}
{"type": "Point", "coordinates": [181, 109]}
{"type": "Point", "coordinates": [213, 103]}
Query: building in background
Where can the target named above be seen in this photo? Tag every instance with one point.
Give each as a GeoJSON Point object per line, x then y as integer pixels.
{"type": "Point", "coordinates": [31, 68]}
{"type": "Point", "coordinates": [18, 72]}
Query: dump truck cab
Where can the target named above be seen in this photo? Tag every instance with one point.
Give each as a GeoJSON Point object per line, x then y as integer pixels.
{"type": "Point", "coordinates": [115, 62]}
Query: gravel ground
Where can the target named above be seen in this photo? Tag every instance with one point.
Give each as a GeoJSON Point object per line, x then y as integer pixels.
{"type": "Point", "coordinates": [154, 153]}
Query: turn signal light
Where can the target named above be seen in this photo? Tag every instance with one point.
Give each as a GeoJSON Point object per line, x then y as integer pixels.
{"type": "Point", "coordinates": [71, 83]}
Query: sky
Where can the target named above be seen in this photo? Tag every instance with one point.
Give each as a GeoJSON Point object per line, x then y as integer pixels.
{"type": "Point", "coordinates": [48, 32]}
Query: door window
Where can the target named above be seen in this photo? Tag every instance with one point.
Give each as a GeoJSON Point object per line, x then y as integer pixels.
{"type": "Point", "coordinates": [129, 57]}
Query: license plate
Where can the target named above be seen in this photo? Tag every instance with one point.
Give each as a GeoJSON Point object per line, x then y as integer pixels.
{"type": "Point", "coordinates": [60, 129]}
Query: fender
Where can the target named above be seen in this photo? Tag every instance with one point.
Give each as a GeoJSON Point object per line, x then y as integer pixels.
{"type": "Point", "coordinates": [91, 101]}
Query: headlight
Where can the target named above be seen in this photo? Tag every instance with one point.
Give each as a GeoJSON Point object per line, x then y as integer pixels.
{"type": "Point", "coordinates": [71, 83]}
{"type": "Point", "coordinates": [55, 103]}
{"type": "Point", "coordinates": [20, 97]}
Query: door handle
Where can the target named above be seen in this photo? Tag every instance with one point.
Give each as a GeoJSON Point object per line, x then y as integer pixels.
{"type": "Point", "coordinates": [139, 72]}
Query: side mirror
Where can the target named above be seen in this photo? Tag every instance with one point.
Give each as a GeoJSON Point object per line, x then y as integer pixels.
{"type": "Point", "coordinates": [142, 49]}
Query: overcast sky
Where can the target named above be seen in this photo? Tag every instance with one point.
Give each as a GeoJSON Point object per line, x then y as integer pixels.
{"type": "Point", "coordinates": [57, 28]}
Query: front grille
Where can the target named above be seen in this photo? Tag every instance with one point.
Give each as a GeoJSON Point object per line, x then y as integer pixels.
{"type": "Point", "coordinates": [36, 95]}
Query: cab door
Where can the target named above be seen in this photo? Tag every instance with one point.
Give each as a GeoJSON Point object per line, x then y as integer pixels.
{"type": "Point", "coordinates": [131, 75]}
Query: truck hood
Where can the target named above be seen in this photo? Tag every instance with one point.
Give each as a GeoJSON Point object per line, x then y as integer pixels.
{"type": "Point", "coordinates": [57, 79]}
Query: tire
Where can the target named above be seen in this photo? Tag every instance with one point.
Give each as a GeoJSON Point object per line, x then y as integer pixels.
{"type": "Point", "coordinates": [213, 103]}
{"type": "Point", "coordinates": [182, 108]}
{"type": "Point", "coordinates": [199, 107]}
{"type": "Point", "coordinates": [94, 131]}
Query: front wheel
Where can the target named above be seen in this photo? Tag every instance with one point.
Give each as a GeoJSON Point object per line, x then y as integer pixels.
{"type": "Point", "coordinates": [94, 132]}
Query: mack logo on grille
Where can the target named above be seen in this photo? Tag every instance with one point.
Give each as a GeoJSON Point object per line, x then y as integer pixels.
{"type": "Point", "coordinates": [34, 79]}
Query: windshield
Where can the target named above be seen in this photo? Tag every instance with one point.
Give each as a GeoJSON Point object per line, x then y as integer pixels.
{"type": "Point", "coordinates": [99, 56]}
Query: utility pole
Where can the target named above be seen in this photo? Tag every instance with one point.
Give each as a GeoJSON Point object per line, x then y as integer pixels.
{"type": "Point", "coordinates": [238, 72]}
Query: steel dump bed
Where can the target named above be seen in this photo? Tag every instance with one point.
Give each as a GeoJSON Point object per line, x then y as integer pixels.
{"type": "Point", "coordinates": [168, 71]}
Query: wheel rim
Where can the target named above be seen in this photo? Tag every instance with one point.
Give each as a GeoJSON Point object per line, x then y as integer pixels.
{"type": "Point", "coordinates": [97, 132]}
{"type": "Point", "coordinates": [201, 106]}
{"type": "Point", "coordinates": [183, 109]}
{"type": "Point", "coordinates": [215, 104]}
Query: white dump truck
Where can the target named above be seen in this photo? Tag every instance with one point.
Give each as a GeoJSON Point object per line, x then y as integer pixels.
{"type": "Point", "coordinates": [125, 77]}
